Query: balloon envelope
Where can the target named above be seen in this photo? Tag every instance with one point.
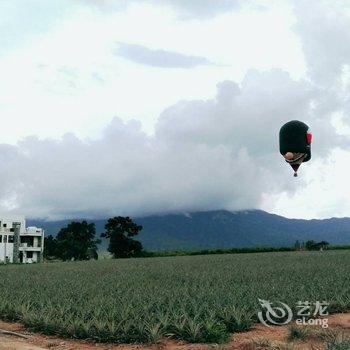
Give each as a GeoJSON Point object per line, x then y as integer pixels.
{"type": "Point", "coordinates": [294, 137]}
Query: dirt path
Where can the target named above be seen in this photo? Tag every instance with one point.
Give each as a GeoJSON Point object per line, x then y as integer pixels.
{"type": "Point", "coordinates": [259, 337]}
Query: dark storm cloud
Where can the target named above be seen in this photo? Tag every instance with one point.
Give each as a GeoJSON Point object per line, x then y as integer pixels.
{"type": "Point", "coordinates": [159, 58]}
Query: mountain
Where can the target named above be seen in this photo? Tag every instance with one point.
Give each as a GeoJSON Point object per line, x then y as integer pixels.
{"type": "Point", "coordinates": [224, 229]}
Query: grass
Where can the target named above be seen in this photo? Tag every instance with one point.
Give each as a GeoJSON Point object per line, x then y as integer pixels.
{"type": "Point", "coordinates": [341, 342]}
{"type": "Point", "coordinates": [298, 333]}
{"type": "Point", "coordinates": [262, 343]}
{"type": "Point", "coordinates": [194, 298]}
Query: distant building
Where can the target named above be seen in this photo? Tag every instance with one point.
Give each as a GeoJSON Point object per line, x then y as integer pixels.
{"type": "Point", "coordinates": [18, 243]}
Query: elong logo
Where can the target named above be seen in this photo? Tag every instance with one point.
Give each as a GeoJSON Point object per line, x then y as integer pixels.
{"type": "Point", "coordinates": [281, 314]}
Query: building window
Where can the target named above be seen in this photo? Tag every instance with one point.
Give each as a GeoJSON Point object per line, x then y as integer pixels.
{"type": "Point", "coordinates": [5, 239]}
{"type": "Point", "coordinates": [5, 225]}
{"type": "Point", "coordinates": [12, 230]}
{"type": "Point", "coordinates": [0, 238]}
{"type": "Point", "coordinates": [11, 239]}
{"type": "Point", "coordinates": [29, 255]}
{"type": "Point", "coordinates": [28, 240]}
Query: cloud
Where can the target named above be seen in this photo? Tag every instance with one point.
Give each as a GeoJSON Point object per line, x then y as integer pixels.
{"type": "Point", "coordinates": [199, 8]}
{"type": "Point", "coordinates": [324, 30]}
{"type": "Point", "coordinates": [159, 58]}
{"type": "Point", "coordinates": [185, 9]}
{"type": "Point", "coordinates": [205, 154]}
{"type": "Point", "coordinates": [216, 153]}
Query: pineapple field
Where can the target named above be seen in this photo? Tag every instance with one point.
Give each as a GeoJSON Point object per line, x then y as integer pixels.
{"type": "Point", "coordinates": [192, 298]}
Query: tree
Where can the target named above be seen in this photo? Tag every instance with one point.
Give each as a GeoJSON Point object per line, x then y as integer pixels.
{"type": "Point", "coordinates": [312, 245]}
{"type": "Point", "coordinates": [297, 245]}
{"type": "Point", "coordinates": [50, 250]}
{"type": "Point", "coordinates": [120, 231]}
{"type": "Point", "coordinates": [77, 241]}
{"type": "Point", "coordinates": [323, 245]}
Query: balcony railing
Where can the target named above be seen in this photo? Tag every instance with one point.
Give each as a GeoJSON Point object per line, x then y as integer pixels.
{"type": "Point", "coordinates": [29, 248]}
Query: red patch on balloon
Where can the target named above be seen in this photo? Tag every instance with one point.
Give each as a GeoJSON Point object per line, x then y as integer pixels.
{"type": "Point", "coordinates": [309, 138]}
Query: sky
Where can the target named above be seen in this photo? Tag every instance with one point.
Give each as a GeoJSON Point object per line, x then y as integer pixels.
{"type": "Point", "coordinates": [139, 107]}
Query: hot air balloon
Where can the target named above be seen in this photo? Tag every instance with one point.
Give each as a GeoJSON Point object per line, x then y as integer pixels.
{"type": "Point", "coordinates": [295, 143]}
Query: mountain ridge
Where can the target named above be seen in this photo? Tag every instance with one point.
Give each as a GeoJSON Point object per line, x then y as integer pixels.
{"type": "Point", "coordinates": [224, 229]}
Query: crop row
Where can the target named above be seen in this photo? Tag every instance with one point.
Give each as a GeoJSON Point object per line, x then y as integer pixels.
{"type": "Point", "coordinates": [195, 298]}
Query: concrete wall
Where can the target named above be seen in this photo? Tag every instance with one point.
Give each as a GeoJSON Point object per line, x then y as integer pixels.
{"type": "Point", "coordinates": [6, 249]}
{"type": "Point", "coordinates": [34, 259]}
{"type": "Point", "coordinates": [8, 221]}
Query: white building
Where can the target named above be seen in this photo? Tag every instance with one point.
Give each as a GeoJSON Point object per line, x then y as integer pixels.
{"type": "Point", "coordinates": [31, 241]}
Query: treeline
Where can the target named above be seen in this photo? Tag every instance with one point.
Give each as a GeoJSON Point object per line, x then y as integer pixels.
{"type": "Point", "coordinates": [77, 241]}
{"type": "Point", "coordinates": [298, 246]}
{"type": "Point", "coordinates": [303, 246]}
{"type": "Point", "coordinates": [217, 251]}
{"type": "Point", "coordinates": [311, 245]}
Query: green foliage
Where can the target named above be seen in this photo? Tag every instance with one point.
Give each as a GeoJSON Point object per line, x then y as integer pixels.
{"type": "Point", "coordinates": [75, 241]}
{"type": "Point", "coordinates": [216, 251]}
{"type": "Point", "coordinates": [50, 250]}
{"type": "Point", "coordinates": [194, 298]}
{"type": "Point", "coordinates": [312, 245]}
{"type": "Point", "coordinates": [262, 343]}
{"type": "Point", "coordinates": [339, 342]}
{"type": "Point", "coordinates": [298, 333]}
{"type": "Point", "coordinates": [120, 231]}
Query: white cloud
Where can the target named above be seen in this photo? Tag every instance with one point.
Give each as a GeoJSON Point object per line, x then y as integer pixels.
{"type": "Point", "coordinates": [159, 58]}
{"type": "Point", "coordinates": [203, 149]}
{"type": "Point", "coordinates": [198, 8]}
{"type": "Point", "coordinates": [67, 77]}
{"type": "Point", "coordinates": [324, 28]}
{"type": "Point", "coordinates": [218, 153]}
{"type": "Point", "coordinates": [184, 9]}
{"type": "Point", "coordinates": [326, 194]}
